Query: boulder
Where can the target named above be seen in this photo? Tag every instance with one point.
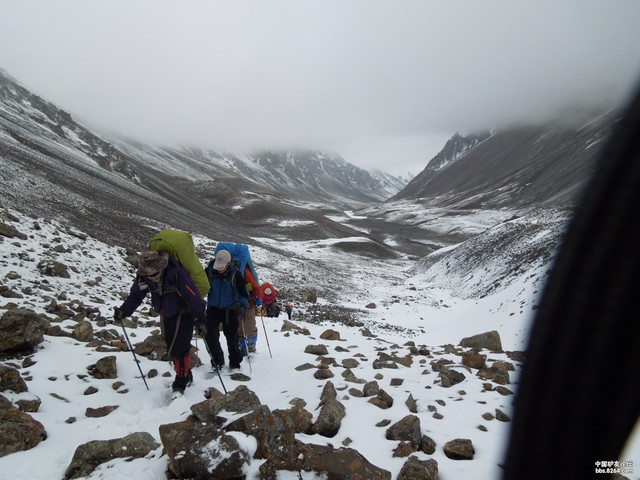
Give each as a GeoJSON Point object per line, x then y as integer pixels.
{"type": "Point", "coordinates": [18, 430]}
{"type": "Point", "coordinates": [325, 461]}
{"type": "Point", "coordinates": [459, 449]}
{"type": "Point", "coordinates": [414, 469]}
{"type": "Point", "coordinates": [198, 449]}
{"type": "Point", "coordinates": [104, 368]}
{"type": "Point", "coordinates": [330, 418]}
{"type": "Point", "coordinates": [10, 379]}
{"type": "Point", "coordinates": [273, 433]}
{"type": "Point", "coordinates": [489, 340]}
{"type": "Point", "coordinates": [382, 400]}
{"type": "Point", "coordinates": [406, 429]}
{"type": "Point", "coordinates": [239, 400]}
{"type": "Point", "coordinates": [88, 456]}
{"type": "Point", "coordinates": [21, 330]}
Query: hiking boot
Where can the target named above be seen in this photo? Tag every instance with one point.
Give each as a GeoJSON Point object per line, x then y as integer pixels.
{"type": "Point", "coordinates": [243, 351]}
{"type": "Point", "coordinates": [217, 367]}
{"type": "Point", "coordinates": [189, 378]}
{"type": "Point", "coordinates": [252, 348]}
{"type": "Point", "coordinates": [235, 367]}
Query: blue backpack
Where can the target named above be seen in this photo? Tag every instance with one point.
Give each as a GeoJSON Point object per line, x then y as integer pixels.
{"type": "Point", "coordinates": [239, 255]}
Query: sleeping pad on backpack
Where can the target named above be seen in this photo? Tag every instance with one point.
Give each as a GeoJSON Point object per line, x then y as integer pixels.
{"type": "Point", "coordinates": [179, 245]}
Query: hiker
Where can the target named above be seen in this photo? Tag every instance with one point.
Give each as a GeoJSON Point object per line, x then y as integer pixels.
{"type": "Point", "coordinates": [227, 300]}
{"type": "Point", "coordinates": [247, 328]}
{"type": "Point", "coordinates": [270, 300]}
{"type": "Point", "coordinates": [175, 297]}
{"type": "Point", "coordinates": [289, 309]}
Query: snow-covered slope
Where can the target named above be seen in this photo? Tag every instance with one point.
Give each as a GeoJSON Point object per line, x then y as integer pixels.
{"type": "Point", "coordinates": [396, 307]}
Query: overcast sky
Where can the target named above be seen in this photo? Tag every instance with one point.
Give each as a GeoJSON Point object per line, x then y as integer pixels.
{"type": "Point", "coordinates": [383, 83]}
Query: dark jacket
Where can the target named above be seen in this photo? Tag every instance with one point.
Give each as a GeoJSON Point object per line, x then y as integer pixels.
{"type": "Point", "coordinates": [169, 297]}
{"type": "Point", "coordinates": [228, 290]}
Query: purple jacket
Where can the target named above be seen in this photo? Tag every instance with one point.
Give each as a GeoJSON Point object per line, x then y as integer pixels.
{"type": "Point", "coordinates": [177, 292]}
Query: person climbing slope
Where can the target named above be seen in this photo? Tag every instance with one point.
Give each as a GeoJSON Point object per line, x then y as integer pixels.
{"type": "Point", "coordinates": [175, 297]}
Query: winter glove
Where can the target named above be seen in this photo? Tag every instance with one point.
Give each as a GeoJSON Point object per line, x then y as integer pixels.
{"type": "Point", "coordinates": [258, 302]}
{"type": "Point", "coordinates": [201, 329]}
{"type": "Point", "coordinates": [118, 315]}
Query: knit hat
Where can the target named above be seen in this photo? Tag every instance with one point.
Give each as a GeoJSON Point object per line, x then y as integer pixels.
{"type": "Point", "coordinates": [152, 262]}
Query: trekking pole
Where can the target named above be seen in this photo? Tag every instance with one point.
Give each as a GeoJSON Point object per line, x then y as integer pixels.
{"type": "Point", "coordinates": [216, 368]}
{"type": "Point", "coordinates": [135, 358]}
{"type": "Point", "coordinates": [246, 344]}
{"type": "Point", "coordinates": [265, 333]}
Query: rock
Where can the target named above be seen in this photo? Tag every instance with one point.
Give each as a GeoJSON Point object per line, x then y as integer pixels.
{"type": "Point", "coordinates": [83, 331]}
{"type": "Point", "coordinates": [273, 433]}
{"type": "Point", "coordinates": [330, 335]}
{"type": "Point", "coordinates": [411, 404]}
{"type": "Point", "coordinates": [328, 393]}
{"type": "Point", "coordinates": [325, 461]}
{"type": "Point", "coordinates": [350, 363]}
{"type": "Point", "coordinates": [52, 268]}
{"type": "Point", "coordinates": [416, 469]}
{"type": "Point", "coordinates": [371, 305]}
{"type": "Point", "coordinates": [382, 400]}
{"type": "Point", "coordinates": [474, 360]}
{"type": "Point", "coordinates": [18, 430]}
{"type": "Point", "coordinates": [301, 418]}
{"type": "Point", "coordinates": [330, 418]}
{"type": "Point", "coordinates": [21, 330]}
{"type": "Point", "coordinates": [406, 429]}
{"type": "Point", "coordinates": [349, 376]}
{"type": "Point", "coordinates": [498, 372]}
{"type": "Point", "coordinates": [459, 449]}
{"type": "Point", "coordinates": [450, 377]}
{"type": "Point", "coordinates": [501, 416]}
{"type": "Point", "coordinates": [404, 449]}
{"type": "Point", "coordinates": [240, 400]}
{"type": "Point", "coordinates": [104, 368]}
{"type": "Point", "coordinates": [489, 340]}
{"type": "Point", "coordinates": [198, 449]}
{"type": "Point", "coordinates": [367, 333]}
{"type": "Point", "coordinates": [427, 445]}
{"type": "Point", "coordinates": [88, 456]}
{"type": "Point", "coordinates": [323, 373]}
{"type": "Point", "coordinates": [316, 349]}
{"type": "Point", "coordinates": [100, 411]}
{"type": "Point", "coordinates": [28, 403]}
{"type": "Point", "coordinates": [371, 388]}
{"type": "Point", "coordinates": [10, 379]}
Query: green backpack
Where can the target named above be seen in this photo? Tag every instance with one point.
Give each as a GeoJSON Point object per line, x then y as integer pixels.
{"type": "Point", "coordinates": [179, 245]}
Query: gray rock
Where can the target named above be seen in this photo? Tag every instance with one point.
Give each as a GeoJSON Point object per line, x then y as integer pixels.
{"type": "Point", "coordinates": [330, 418]}
{"type": "Point", "coordinates": [273, 433]}
{"type": "Point", "coordinates": [325, 461]}
{"type": "Point", "coordinates": [88, 456]}
{"type": "Point", "coordinates": [416, 469]}
{"type": "Point", "coordinates": [316, 349]}
{"type": "Point", "coordinates": [10, 379]}
{"type": "Point", "coordinates": [459, 449]}
{"type": "Point", "coordinates": [489, 340]}
{"type": "Point", "coordinates": [21, 330]}
{"type": "Point", "coordinates": [104, 368]}
{"type": "Point", "coordinates": [18, 430]}
{"type": "Point", "coordinates": [406, 429]}
{"type": "Point", "coordinates": [83, 331]}
{"type": "Point", "coordinates": [198, 449]}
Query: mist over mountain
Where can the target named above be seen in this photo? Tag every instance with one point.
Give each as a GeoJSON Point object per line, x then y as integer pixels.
{"type": "Point", "coordinates": [120, 190]}
{"type": "Point", "coordinates": [464, 248]}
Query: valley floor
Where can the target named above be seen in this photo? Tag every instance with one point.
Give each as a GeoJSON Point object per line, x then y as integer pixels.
{"type": "Point", "coordinates": [395, 307]}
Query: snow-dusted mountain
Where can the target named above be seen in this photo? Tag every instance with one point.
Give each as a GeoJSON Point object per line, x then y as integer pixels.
{"type": "Point", "coordinates": [463, 250]}
{"type": "Point", "coordinates": [117, 189]}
